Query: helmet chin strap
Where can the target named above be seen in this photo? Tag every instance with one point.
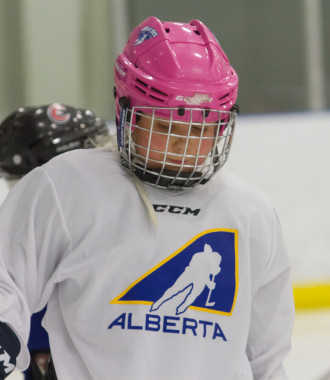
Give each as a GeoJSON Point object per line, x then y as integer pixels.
{"type": "Point", "coordinates": [170, 179]}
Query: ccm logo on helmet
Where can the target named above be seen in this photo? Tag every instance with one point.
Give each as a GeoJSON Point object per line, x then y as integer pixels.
{"type": "Point", "coordinates": [58, 114]}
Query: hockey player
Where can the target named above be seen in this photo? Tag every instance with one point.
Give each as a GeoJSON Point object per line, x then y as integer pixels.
{"type": "Point", "coordinates": [193, 280]}
{"type": "Point", "coordinates": [111, 241]}
{"type": "Point", "coordinates": [30, 137]}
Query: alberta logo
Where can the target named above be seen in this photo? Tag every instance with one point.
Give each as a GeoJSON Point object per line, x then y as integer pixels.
{"type": "Point", "coordinates": [201, 275]}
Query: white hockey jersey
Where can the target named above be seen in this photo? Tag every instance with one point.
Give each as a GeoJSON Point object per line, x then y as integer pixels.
{"type": "Point", "coordinates": [205, 294]}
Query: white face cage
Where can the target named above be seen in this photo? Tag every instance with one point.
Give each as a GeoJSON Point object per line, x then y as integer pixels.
{"type": "Point", "coordinates": [172, 154]}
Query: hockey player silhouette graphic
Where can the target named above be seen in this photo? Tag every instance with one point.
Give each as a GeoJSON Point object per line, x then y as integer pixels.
{"type": "Point", "coordinates": [200, 272]}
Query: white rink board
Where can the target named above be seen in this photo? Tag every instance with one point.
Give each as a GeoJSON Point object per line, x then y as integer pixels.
{"type": "Point", "coordinates": [287, 157]}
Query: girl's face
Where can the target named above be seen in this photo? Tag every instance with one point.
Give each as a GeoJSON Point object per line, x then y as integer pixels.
{"type": "Point", "coordinates": [187, 147]}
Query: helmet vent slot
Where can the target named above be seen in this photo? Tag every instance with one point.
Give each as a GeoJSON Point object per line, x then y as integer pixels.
{"type": "Point", "coordinates": [158, 91]}
{"type": "Point", "coordinates": [224, 96]}
{"type": "Point", "coordinates": [140, 89]}
{"type": "Point", "coordinates": [141, 82]}
{"type": "Point", "coordinates": [154, 97]}
{"type": "Point", "coordinates": [225, 99]}
{"type": "Point", "coordinates": [152, 92]}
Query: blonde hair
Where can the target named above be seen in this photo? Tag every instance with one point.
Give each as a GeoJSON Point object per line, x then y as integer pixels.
{"type": "Point", "coordinates": [110, 142]}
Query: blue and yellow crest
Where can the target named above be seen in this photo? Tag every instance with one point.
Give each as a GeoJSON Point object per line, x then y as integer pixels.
{"type": "Point", "coordinates": [201, 275]}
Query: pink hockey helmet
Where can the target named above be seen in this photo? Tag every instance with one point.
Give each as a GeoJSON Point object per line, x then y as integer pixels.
{"type": "Point", "coordinates": [169, 64]}
{"type": "Point", "coordinates": [178, 72]}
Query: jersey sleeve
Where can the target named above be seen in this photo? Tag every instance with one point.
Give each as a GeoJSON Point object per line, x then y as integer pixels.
{"type": "Point", "coordinates": [272, 314]}
{"type": "Point", "coordinates": [33, 241]}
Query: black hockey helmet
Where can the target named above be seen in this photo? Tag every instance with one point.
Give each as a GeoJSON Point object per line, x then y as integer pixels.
{"type": "Point", "coordinates": [31, 136]}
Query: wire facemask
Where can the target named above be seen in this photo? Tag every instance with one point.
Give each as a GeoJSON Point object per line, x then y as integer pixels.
{"type": "Point", "coordinates": [172, 154]}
